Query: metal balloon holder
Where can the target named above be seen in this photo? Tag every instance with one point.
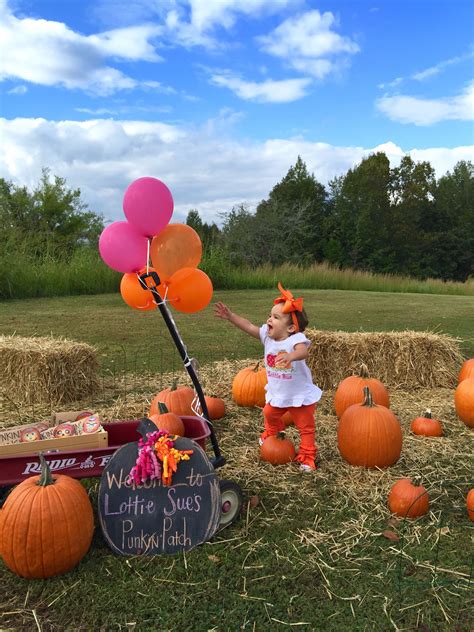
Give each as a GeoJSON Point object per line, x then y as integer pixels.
{"type": "Point", "coordinates": [150, 281]}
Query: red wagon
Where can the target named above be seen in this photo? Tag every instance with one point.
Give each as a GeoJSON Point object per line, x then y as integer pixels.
{"type": "Point", "coordinates": [91, 462]}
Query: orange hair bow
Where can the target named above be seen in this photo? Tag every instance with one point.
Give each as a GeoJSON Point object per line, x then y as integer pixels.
{"type": "Point", "coordinates": [291, 304]}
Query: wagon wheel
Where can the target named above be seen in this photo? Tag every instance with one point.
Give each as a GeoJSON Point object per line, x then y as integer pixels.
{"type": "Point", "coordinates": [231, 502]}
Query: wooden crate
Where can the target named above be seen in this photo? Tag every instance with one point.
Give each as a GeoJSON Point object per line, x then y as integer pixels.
{"type": "Point", "coordinates": [63, 444]}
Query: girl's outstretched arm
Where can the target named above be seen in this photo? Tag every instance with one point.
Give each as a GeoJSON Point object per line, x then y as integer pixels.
{"type": "Point", "coordinates": [222, 311]}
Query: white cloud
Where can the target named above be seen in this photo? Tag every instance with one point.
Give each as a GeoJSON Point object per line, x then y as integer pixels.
{"type": "Point", "coordinates": [204, 168]}
{"type": "Point", "coordinates": [306, 40]}
{"type": "Point", "coordinates": [20, 90]}
{"type": "Point", "coordinates": [205, 14]}
{"type": "Point", "coordinates": [424, 112]}
{"type": "Point", "coordinates": [431, 71]}
{"type": "Point", "coordinates": [50, 53]}
{"type": "Point", "coordinates": [268, 91]}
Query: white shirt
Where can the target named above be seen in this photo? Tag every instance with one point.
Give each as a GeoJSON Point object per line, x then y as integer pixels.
{"type": "Point", "coordinates": [288, 387]}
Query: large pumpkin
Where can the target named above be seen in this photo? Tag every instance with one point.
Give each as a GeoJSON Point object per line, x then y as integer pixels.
{"type": "Point", "coordinates": [351, 391]}
{"type": "Point", "coordinates": [427, 426]}
{"type": "Point", "coordinates": [168, 422]}
{"type": "Point", "coordinates": [46, 525]}
{"type": "Point", "coordinates": [248, 387]}
{"type": "Point", "coordinates": [464, 401]}
{"type": "Point", "coordinates": [467, 370]}
{"type": "Point", "coordinates": [408, 500]}
{"type": "Point", "coordinates": [177, 399]}
{"type": "Point", "coordinates": [369, 434]}
{"type": "Point", "coordinates": [470, 504]}
{"type": "Point", "coordinates": [277, 450]}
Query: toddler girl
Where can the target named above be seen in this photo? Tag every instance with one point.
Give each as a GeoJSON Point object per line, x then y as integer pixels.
{"type": "Point", "coordinates": [290, 386]}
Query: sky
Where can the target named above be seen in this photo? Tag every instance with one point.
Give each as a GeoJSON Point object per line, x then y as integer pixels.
{"type": "Point", "coordinates": [217, 98]}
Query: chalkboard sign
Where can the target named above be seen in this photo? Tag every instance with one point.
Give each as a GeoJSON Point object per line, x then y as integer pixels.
{"type": "Point", "coordinates": [151, 518]}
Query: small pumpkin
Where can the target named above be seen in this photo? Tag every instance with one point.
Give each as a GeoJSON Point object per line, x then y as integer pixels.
{"type": "Point", "coordinates": [277, 449]}
{"type": "Point", "coordinates": [248, 386]}
{"type": "Point", "coordinates": [168, 422]}
{"type": "Point", "coordinates": [470, 504]}
{"type": "Point", "coordinates": [467, 370]}
{"type": "Point", "coordinates": [427, 426]}
{"type": "Point", "coordinates": [408, 500]}
{"type": "Point", "coordinates": [351, 391]}
{"type": "Point", "coordinates": [46, 525]}
{"type": "Point", "coordinates": [177, 399]}
{"type": "Point", "coordinates": [369, 434]}
{"type": "Point", "coordinates": [464, 401]}
{"type": "Point", "coordinates": [215, 407]}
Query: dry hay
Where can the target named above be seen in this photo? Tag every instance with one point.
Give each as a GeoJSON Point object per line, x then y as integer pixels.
{"type": "Point", "coordinates": [349, 519]}
{"type": "Point", "coordinates": [398, 359]}
{"type": "Point", "coordinates": [53, 370]}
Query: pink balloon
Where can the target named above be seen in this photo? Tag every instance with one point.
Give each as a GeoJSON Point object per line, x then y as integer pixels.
{"type": "Point", "coordinates": [123, 248]}
{"type": "Point", "coordinates": [148, 205]}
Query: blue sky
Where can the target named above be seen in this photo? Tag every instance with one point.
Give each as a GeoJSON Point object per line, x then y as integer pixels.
{"type": "Point", "coordinates": [218, 97]}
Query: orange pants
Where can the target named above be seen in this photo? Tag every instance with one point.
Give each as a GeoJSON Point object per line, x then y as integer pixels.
{"type": "Point", "coordinates": [303, 416]}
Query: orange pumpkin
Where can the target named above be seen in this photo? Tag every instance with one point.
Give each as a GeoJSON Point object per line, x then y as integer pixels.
{"type": "Point", "coordinates": [215, 407]}
{"type": "Point", "coordinates": [467, 370]}
{"type": "Point", "coordinates": [369, 434]}
{"type": "Point", "coordinates": [168, 422]}
{"type": "Point", "coordinates": [177, 399]}
{"type": "Point", "coordinates": [464, 401]}
{"type": "Point", "coordinates": [248, 387]}
{"type": "Point", "coordinates": [46, 525]}
{"type": "Point", "coordinates": [426, 425]}
{"type": "Point", "coordinates": [470, 504]}
{"type": "Point", "coordinates": [408, 500]}
{"type": "Point", "coordinates": [277, 450]}
{"type": "Point", "coordinates": [351, 391]}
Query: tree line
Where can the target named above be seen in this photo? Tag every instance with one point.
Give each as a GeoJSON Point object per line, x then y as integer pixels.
{"type": "Point", "coordinates": [400, 220]}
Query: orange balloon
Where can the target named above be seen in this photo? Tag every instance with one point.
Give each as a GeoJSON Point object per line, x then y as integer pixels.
{"type": "Point", "coordinates": [189, 290]}
{"type": "Point", "coordinates": [176, 246]}
{"type": "Point", "coordinates": [133, 293]}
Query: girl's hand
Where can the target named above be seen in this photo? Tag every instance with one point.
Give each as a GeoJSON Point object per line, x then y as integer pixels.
{"type": "Point", "coordinates": [283, 360]}
{"type": "Point", "coordinates": [222, 311]}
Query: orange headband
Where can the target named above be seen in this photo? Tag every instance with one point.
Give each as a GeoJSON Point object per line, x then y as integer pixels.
{"type": "Point", "coordinates": [291, 304]}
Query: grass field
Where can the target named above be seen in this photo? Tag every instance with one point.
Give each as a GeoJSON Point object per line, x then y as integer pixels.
{"type": "Point", "coordinates": [309, 551]}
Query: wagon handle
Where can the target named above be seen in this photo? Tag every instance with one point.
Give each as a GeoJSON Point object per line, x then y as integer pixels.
{"type": "Point", "coordinates": [150, 281]}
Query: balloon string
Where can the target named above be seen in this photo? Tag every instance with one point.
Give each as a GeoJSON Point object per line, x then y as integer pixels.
{"type": "Point", "coordinates": [147, 254]}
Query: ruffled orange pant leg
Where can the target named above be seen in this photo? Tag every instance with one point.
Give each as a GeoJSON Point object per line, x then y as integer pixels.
{"type": "Point", "coordinates": [272, 417]}
{"type": "Point", "coordinates": [303, 416]}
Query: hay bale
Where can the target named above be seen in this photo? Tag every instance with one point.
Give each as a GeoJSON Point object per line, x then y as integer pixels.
{"type": "Point", "coordinates": [53, 370]}
{"type": "Point", "coordinates": [398, 359]}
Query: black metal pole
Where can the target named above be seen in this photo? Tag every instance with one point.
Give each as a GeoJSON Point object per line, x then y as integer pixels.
{"type": "Point", "coordinates": [219, 460]}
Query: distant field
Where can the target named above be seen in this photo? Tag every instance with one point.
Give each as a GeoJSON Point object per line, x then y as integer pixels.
{"type": "Point", "coordinates": [141, 339]}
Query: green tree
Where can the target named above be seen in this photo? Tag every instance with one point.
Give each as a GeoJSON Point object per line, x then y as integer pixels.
{"type": "Point", "coordinates": [52, 218]}
{"type": "Point", "coordinates": [292, 219]}
{"type": "Point", "coordinates": [450, 252]}
{"type": "Point", "coordinates": [412, 195]}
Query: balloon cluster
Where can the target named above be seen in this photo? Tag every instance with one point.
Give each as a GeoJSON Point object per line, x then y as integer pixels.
{"type": "Point", "coordinates": [175, 250]}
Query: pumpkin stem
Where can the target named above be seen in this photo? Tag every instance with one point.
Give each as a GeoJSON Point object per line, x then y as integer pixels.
{"type": "Point", "coordinates": [174, 385]}
{"type": "Point", "coordinates": [427, 413]}
{"type": "Point", "coordinates": [363, 371]}
{"type": "Point", "coordinates": [417, 480]}
{"type": "Point", "coordinates": [162, 408]}
{"type": "Point", "coordinates": [281, 435]}
{"type": "Point", "coordinates": [256, 367]}
{"type": "Point", "coordinates": [368, 401]}
{"type": "Point", "coordinates": [46, 478]}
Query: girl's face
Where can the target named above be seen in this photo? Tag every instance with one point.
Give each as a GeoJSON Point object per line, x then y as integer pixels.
{"type": "Point", "coordinates": [280, 325]}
